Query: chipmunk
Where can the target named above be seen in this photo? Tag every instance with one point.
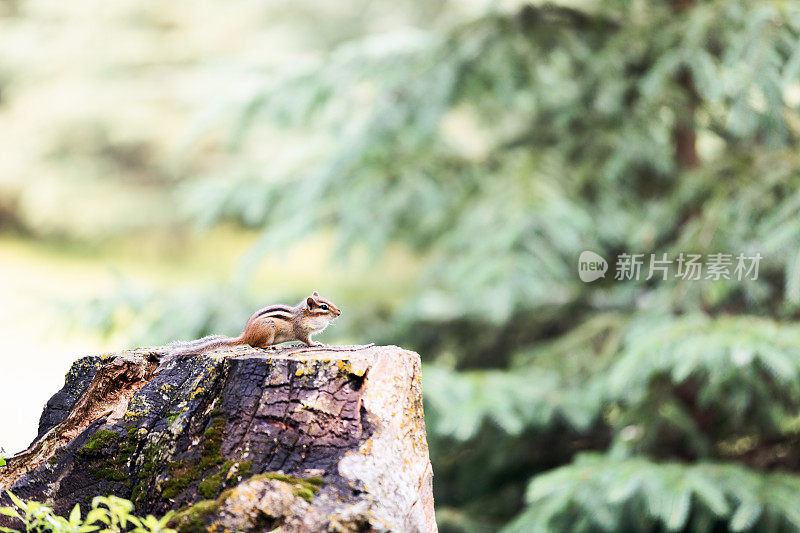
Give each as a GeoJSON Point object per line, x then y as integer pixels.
{"type": "Point", "coordinates": [271, 325]}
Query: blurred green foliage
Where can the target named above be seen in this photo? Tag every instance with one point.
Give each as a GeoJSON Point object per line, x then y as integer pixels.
{"type": "Point", "coordinates": [493, 143]}
{"type": "Point", "coordinates": [107, 514]}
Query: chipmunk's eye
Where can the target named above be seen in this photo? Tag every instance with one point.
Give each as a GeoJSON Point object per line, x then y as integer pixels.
{"type": "Point", "coordinates": [324, 307]}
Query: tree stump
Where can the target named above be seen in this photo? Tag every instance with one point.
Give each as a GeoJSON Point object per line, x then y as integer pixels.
{"type": "Point", "coordinates": [309, 439]}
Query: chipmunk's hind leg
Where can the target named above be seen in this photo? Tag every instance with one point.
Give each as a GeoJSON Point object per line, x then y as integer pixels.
{"type": "Point", "coordinates": [263, 334]}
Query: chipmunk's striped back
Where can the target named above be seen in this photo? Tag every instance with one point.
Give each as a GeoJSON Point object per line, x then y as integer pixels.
{"type": "Point", "coordinates": [285, 312]}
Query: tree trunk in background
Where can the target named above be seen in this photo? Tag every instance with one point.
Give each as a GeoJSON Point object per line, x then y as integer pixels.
{"type": "Point", "coordinates": [684, 135]}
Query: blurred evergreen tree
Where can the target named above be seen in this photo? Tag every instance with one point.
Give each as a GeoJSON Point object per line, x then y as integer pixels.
{"type": "Point", "coordinates": [498, 147]}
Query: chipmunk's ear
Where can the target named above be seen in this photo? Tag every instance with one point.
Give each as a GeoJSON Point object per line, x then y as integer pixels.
{"type": "Point", "coordinates": [310, 302]}
{"type": "Point", "coordinates": [315, 293]}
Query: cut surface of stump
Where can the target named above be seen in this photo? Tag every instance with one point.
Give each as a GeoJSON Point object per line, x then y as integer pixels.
{"type": "Point", "coordinates": [307, 439]}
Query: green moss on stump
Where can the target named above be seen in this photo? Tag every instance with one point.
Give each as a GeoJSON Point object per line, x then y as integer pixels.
{"type": "Point", "coordinates": [130, 444]}
{"type": "Point", "coordinates": [111, 472]}
{"type": "Point", "coordinates": [190, 519]}
{"type": "Point", "coordinates": [145, 474]}
{"type": "Point", "coordinates": [183, 474]}
{"type": "Point", "coordinates": [100, 440]}
{"type": "Point", "coordinates": [303, 487]}
{"type": "Point", "coordinates": [209, 487]}
{"type": "Point", "coordinates": [244, 469]}
{"type": "Point", "coordinates": [211, 456]}
{"type": "Point", "coordinates": [113, 468]}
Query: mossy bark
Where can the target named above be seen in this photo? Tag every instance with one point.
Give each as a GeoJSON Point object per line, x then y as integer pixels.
{"type": "Point", "coordinates": [310, 439]}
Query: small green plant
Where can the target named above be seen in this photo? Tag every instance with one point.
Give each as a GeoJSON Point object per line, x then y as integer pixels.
{"type": "Point", "coordinates": [107, 514]}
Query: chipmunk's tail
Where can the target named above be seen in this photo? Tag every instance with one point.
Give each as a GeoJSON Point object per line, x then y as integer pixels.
{"type": "Point", "coordinates": [201, 345]}
{"type": "Point", "coordinates": [179, 348]}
